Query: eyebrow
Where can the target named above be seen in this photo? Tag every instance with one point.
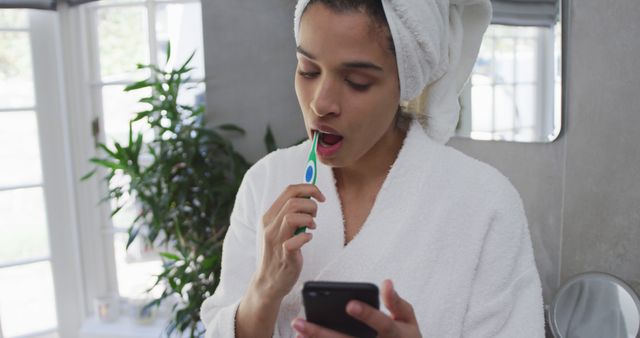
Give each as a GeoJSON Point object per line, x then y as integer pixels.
{"type": "Point", "coordinates": [351, 64]}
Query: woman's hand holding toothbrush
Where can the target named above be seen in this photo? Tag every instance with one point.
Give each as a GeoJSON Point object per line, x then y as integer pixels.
{"type": "Point", "coordinates": [281, 259]}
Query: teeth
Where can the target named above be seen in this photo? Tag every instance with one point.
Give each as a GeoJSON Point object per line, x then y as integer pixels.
{"type": "Point", "coordinates": [321, 140]}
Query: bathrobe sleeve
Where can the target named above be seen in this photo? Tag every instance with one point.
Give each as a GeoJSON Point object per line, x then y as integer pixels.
{"type": "Point", "coordinates": [238, 263]}
{"type": "Point", "coordinates": [506, 296]}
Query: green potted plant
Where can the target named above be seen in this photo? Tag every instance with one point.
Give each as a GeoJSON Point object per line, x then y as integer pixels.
{"type": "Point", "coordinates": [184, 190]}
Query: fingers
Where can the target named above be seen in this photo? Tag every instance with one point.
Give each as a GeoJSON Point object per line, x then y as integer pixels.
{"type": "Point", "coordinates": [400, 309]}
{"type": "Point", "coordinates": [306, 329]}
{"type": "Point", "coordinates": [293, 244]}
{"type": "Point", "coordinates": [291, 222]}
{"type": "Point", "coordinates": [295, 213]}
{"type": "Point", "coordinates": [294, 191]}
{"type": "Point", "coordinates": [299, 205]}
{"type": "Point", "coordinates": [290, 202]}
{"type": "Point", "coordinates": [383, 324]}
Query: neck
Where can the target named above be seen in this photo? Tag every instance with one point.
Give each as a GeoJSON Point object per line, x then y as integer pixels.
{"type": "Point", "coordinates": [374, 166]}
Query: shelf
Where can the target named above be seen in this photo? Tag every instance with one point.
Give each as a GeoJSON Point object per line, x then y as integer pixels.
{"type": "Point", "coordinates": [124, 327]}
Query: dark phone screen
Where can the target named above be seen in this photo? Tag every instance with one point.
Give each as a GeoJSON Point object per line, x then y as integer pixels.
{"type": "Point", "coordinates": [325, 304]}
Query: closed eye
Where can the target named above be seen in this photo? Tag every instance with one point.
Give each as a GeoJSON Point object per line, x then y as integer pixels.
{"type": "Point", "coordinates": [308, 75]}
{"type": "Point", "coordinates": [358, 86]}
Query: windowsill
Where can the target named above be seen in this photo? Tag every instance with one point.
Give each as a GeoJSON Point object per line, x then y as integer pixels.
{"type": "Point", "coordinates": [124, 327]}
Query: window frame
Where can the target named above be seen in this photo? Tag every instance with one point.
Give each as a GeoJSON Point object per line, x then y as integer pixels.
{"type": "Point", "coordinates": [84, 85]}
{"type": "Point", "coordinates": [56, 181]}
{"type": "Point", "coordinates": [57, 172]}
{"type": "Point", "coordinates": [67, 101]}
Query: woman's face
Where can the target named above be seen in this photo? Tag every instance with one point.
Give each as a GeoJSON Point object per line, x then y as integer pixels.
{"type": "Point", "coordinates": [347, 85]}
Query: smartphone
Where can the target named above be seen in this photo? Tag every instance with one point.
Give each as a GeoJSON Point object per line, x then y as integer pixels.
{"type": "Point", "coordinates": [325, 304]}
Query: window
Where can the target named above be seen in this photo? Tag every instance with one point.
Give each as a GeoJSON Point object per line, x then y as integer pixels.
{"type": "Point", "coordinates": [58, 251]}
{"type": "Point", "coordinates": [25, 261]}
{"type": "Point", "coordinates": [122, 34]}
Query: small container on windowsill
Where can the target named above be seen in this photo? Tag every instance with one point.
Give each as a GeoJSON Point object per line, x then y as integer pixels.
{"type": "Point", "coordinates": [107, 308]}
{"type": "Point", "coordinates": [141, 313]}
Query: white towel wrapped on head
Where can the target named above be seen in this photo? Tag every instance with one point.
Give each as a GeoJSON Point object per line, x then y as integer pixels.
{"type": "Point", "coordinates": [436, 43]}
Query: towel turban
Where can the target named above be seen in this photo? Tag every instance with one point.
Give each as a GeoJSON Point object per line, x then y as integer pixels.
{"type": "Point", "coordinates": [436, 44]}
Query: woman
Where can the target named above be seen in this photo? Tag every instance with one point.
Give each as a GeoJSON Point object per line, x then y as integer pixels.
{"type": "Point", "coordinates": [391, 203]}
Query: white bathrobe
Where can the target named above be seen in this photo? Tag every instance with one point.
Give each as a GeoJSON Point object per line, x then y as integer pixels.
{"type": "Point", "coordinates": [450, 232]}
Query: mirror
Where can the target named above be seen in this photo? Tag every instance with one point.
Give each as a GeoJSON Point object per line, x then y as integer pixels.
{"type": "Point", "coordinates": [595, 305]}
{"type": "Point", "coordinates": [515, 90]}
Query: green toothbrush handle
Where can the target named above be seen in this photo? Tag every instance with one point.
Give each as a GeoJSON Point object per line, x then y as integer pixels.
{"type": "Point", "coordinates": [310, 174]}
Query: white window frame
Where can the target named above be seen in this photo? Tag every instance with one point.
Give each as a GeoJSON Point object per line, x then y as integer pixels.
{"type": "Point", "coordinates": [57, 177]}
{"type": "Point", "coordinates": [67, 92]}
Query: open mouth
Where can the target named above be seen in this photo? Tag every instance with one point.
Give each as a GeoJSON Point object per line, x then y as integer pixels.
{"type": "Point", "coordinates": [328, 140]}
{"type": "Point", "coordinates": [328, 143]}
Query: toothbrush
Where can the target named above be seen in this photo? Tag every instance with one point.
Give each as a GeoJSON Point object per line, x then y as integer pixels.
{"type": "Point", "coordinates": [310, 173]}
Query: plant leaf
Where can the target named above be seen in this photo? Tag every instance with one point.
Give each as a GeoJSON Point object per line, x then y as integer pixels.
{"type": "Point", "coordinates": [106, 164]}
{"type": "Point", "coordinates": [168, 52]}
{"type": "Point", "coordinates": [170, 256]}
{"type": "Point", "coordinates": [269, 140]}
{"type": "Point", "coordinates": [116, 210]}
{"type": "Point", "coordinates": [133, 233]}
{"type": "Point", "coordinates": [107, 150]}
{"type": "Point", "coordinates": [186, 63]}
{"type": "Point", "coordinates": [137, 85]}
{"type": "Point", "coordinates": [87, 175]}
{"type": "Point", "coordinates": [231, 127]}
{"type": "Point", "coordinates": [141, 115]}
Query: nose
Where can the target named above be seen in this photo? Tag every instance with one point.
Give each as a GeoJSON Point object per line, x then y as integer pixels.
{"type": "Point", "coordinates": [326, 99]}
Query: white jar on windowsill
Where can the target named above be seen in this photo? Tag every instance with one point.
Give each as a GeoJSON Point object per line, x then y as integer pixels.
{"type": "Point", "coordinates": [107, 308]}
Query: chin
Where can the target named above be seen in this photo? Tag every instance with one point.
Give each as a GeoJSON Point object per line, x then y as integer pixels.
{"type": "Point", "coordinates": [333, 162]}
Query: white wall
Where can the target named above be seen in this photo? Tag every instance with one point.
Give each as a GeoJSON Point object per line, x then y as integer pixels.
{"type": "Point", "coordinates": [250, 63]}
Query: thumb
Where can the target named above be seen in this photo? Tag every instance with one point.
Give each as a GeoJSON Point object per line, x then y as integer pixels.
{"type": "Point", "coordinates": [400, 309]}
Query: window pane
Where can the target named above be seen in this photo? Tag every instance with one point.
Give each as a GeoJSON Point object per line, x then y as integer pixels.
{"type": "Point", "coordinates": [526, 60]}
{"type": "Point", "coordinates": [19, 149]}
{"type": "Point", "coordinates": [180, 24]}
{"type": "Point", "coordinates": [482, 105]}
{"type": "Point", "coordinates": [23, 225]}
{"type": "Point", "coordinates": [192, 94]}
{"type": "Point", "coordinates": [527, 108]}
{"type": "Point", "coordinates": [504, 60]}
{"type": "Point", "coordinates": [16, 77]}
{"type": "Point", "coordinates": [125, 217]}
{"type": "Point", "coordinates": [119, 107]}
{"type": "Point", "coordinates": [13, 18]}
{"type": "Point", "coordinates": [136, 267]}
{"type": "Point", "coordinates": [483, 69]}
{"type": "Point", "coordinates": [27, 302]}
{"type": "Point", "coordinates": [123, 42]}
{"type": "Point", "coordinates": [504, 106]}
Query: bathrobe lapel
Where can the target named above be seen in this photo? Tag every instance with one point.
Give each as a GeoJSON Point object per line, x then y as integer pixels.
{"type": "Point", "coordinates": [327, 258]}
{"type": "Point", "coordinates": [389, 216]}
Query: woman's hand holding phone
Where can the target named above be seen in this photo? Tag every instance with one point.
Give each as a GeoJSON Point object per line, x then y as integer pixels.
{"type": "Point", "coordinates": [401, 323]}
